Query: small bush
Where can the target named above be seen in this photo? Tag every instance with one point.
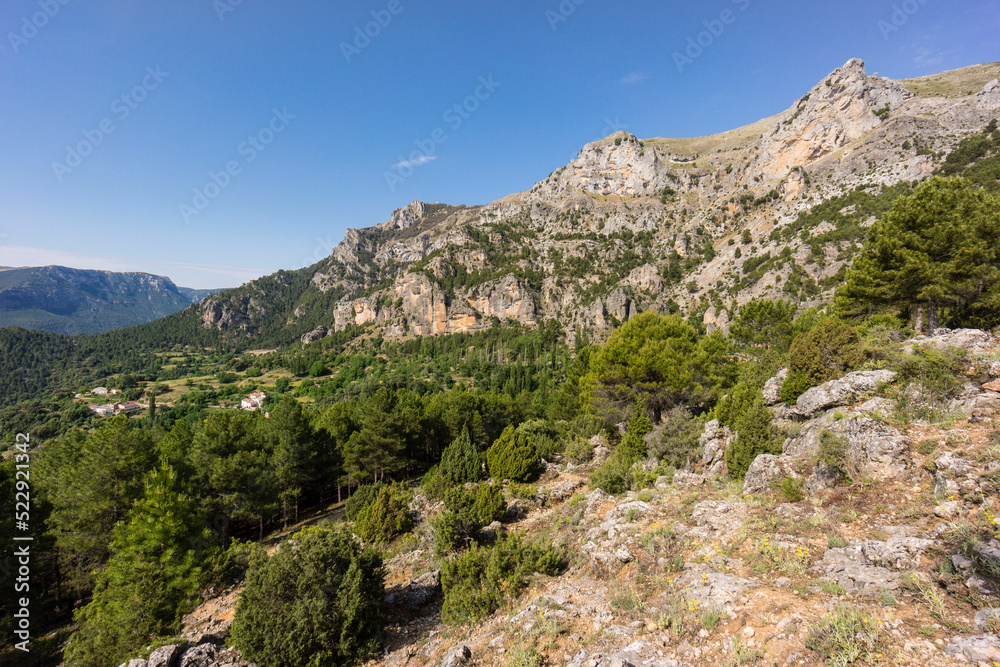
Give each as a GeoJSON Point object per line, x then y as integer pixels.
{"type": "Point", "coordinates": [460, 462]}
{"type": "Point", "coordinates": [579, 450]}
{"type": "Point", "coordinates": [754, 436]}
{"type": "Point", "coordinates": [360, 499]}
{"type": "Point", "coordinates": [513, 456]}
{"type": "Point", "coordinates": [467, 513]}
{"type": "Point", "coordinates": [478, 582]}
{"type": "Point", "coordinates": [846, 636]}
{"type": "Point", "coordinates": [833, 453]}
{"type": "Point", "coordinates": [612, 477]}
{"type": "Point", "coordinates": [927, 446]}
{"type": "Point", "coordinates": [318, 600]}
{"type": "Point", "coordinates": [826, 352]}
{"type": "Point", "coordinates": [386, 516]}
{"type": "Point", "coordinates": [520, 656]}
{"type": "Point", "coordinates": [678, 445]}
{"type": "Point", "coordinates": [791, 489]}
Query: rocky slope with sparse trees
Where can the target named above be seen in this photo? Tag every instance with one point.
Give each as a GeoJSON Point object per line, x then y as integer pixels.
{"type": "Point", "coordinates": [776, 209]}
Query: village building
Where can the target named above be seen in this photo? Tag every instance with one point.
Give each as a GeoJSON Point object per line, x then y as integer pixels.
{"type": "Point", "coordinates": [253, 401]}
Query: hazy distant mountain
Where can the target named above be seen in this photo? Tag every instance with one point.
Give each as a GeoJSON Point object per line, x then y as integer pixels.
{"type": "Point", "coordinates": [71, 301]}
{"type": "Point", "coordinates": [196, 295]}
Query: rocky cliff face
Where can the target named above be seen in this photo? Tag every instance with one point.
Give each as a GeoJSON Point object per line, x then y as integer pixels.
{"type": "Point", "coordinates": [630, 224]}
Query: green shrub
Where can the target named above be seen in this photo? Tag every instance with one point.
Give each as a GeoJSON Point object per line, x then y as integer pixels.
{"type": "Point", "coordinates": [833, 453]}
{"type": "Point", "coordinates": [754, 436]}
{"type": "Point", "coordinates": [580, 450]}
{"type": "Point", "coordinates": [360, 499]}
{"type": "Point", "coordinates": [433, 484]}
{"type": "Point", "coordinates": [460, 462]}
{"type": "Point", "coordinates": [791, 489]}
{"type": "Point", "coordinates": [523, 657]}
{"type": "Point", "coordinates": [317, 601]}
{"type": "Point", "coordinates": [846, 636]}
{"type": "Point", "coordinates": [679, 443]}
{"type": "Point", "coordinates": [826, 352]}
{"type": "Point", "coordinates": [467, 512]}
{"type": "Point", "coordinates": [478, 581]}
{"type": "Point", "coordinates": [386, 516]}
{"type": "Point", "coordinates": [513, 456]}
{"type": "Point", "coordinates": [611, 477]}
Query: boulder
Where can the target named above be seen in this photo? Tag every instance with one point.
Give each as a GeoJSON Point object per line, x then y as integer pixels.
{"type": "Point", "coordinates": [457, 655]}
{"type": "Point", "coordinates": [712, 590]}
{"type": "Point", "coordinates": [314, 335]}
{"type": "Point", "coordinates": [713, 442]}
{"type": "Point", "coordinates": [949, 472]}
{"type": "Point", "coordinates": [973, 340]}
{"type": "Point", "coordinates": [841, 391]}
{"type": "Point", "coordinates": [416, 592]}
{"type": "Point", "coordinates": [847, 567]}
{"type": "Point", "coordinates": [165, 656]}
{"type": "Point", "coordinates": [202, 655]}
{"type": "Point", "coordinates": [772, 388]}
{"type": "Point", "coordinates": [874, 449]}
{"type": "Point", "coordinates": [980, 648]}
{"type": "Point", "coordinates": [565, 489]}
{"type": "Point", "coordinates": [987, 620]}
{"type": "Point", "coordinates": [134, 662]}
{"type": "Point", "coordinates": [682, 478]}
{"type": "Point", "coordinates": [717, 517]}
{"type": "Point", "coordinates": [765, 470]}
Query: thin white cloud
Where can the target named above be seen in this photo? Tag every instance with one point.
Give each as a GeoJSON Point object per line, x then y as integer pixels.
{"type": "Point", "coordinates": [633, 78]}
{"type": "Point", "coordinates": [925, 57]}
{"type": "Point", "coordinates": [416, 162]}
{"type": "Point", "coordinates": [187, 274]}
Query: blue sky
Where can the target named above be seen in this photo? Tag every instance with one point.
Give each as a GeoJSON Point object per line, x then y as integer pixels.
{"type": "Point", "coordinates": [214, 141]}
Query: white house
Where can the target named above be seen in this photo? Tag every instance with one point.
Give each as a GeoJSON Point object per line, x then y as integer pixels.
{"type": "Point", "coordinates": [253, 401]}
{"type": "Point", "coordinates": [99, 391]}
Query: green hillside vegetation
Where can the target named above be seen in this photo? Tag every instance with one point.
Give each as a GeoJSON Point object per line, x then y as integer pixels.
{"type": "Point", "coordinates": [171, 498]}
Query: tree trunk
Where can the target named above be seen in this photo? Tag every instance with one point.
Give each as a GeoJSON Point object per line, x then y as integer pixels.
{"type": "Point", "coordinates": [918, 320]}
{"type": "Point", "coordinates": [932, 316]}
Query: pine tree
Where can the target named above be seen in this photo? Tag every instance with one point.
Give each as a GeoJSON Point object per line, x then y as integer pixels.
{"type": "Point", "coordinates": [91, 480]}
{"type": "Point", "coordinates": [935, 253]}
{"type": "Point", "coordinates": [151, 580]}
{"type": "Point", "coordinates": [460, 462]}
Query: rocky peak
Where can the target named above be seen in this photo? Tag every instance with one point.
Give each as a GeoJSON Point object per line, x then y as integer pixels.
{"type": "Point", "coordinates": [403, 218]}
{"type": "Point", "coordinates": [841, 109]}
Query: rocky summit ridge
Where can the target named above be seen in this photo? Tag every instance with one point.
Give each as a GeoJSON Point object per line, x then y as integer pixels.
{"type": "Point", "coordinates": [703, 224]}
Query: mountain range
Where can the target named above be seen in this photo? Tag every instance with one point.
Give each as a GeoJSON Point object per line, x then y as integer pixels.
{"type": "Point", "coordinates": [775, 209]}
{"type": "Point", "coordinates": [73, 301]}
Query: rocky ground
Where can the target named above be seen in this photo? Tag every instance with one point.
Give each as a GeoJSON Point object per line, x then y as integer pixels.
{"type": "Point", "coordinates": [796, 565]}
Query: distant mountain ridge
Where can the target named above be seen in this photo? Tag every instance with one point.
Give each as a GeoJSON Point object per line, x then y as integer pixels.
{"type": "Point", "coordinates": [72, 301]}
